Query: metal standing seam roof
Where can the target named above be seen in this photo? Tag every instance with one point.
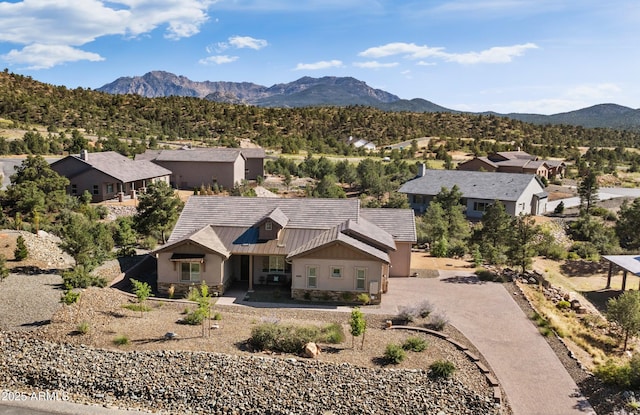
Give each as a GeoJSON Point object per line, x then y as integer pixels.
{"type": "Point", "coordinates": [363, 229]}
{"type": "Point", "coordinates": [123, 168]}
{"type": "Point", "coordinates": [334, 235]}
{"type": "Point", "coordinates": [472, 184]}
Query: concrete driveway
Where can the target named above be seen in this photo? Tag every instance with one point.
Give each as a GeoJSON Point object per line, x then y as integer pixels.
{"type": "Point", "coordinates": [532, 376]}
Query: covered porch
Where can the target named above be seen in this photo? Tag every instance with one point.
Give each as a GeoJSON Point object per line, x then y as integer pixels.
{"type": "Point", "coordinates": [626, 263]}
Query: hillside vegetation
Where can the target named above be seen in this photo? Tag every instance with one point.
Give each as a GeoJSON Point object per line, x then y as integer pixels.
{"type": "Point", "coordinates": [26, 102]}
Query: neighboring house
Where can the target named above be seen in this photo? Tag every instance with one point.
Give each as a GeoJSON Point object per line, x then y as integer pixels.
{"type": "Point", "coordinates": [192, 168]}
{"type": "Point", "coordinates": [361, 142]}
{"type": "Point", "coordinates": [108, 175]}
{"type": "Point", "coordinates": [515, 162]}
{"type": "Point", "coordinates": [254, 162]}
{"type": "Point", "coordinates": [324, 248]}
{"type": "Point", "coordinates": [520, 193]}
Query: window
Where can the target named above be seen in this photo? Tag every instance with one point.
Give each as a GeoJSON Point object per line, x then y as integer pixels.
{"type": "Point", "coordinates": [336, 272]}
{"type": "Point", "coordinates": [109, 187]}
{"type": "Point", "coordinates": [190, 271]}
{"type": "Point", "coordinates": [312, 277]}
{"type": "Point", "coordinates": [268, 226]}
{"type": "Point", "coordinates": [95, 189]}
{"type": "Point", "coordinates": [273, 264]}
{"type": "Point", "coordinates": [74, 189]}
{"type": "Point", "coordinates": [418, 199]}
{"type": "Point", "coordinates": [361, 277]}
{"type": "Point", "coordinates": [480, 206]}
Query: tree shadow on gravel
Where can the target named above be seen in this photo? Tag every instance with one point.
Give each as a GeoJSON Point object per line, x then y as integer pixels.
{"type": "Point", "coordinates": [600, 298]}
{"type": "Point", "coordinates": [380, 361]}
{"type": "Point", "coordinates": [114, 314]}
{"type": "Point", "coordinates": [580, 268]}
{"type": "Point", "coordinates": [36, 323]}
{"type": "Point", "coordinates": [33, 270]}
{"type": "Point", "coordinates": [463, 279]}
{"type": "Point", "coordinates": [603, 398]}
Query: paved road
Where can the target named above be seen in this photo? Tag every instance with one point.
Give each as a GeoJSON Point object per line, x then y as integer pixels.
{"type": "Point", "coordinates": [532, 376]}
{"type": "Point", "coordinates": [59, 407]}
{"type": "Point", "coordinates": [605, 193]}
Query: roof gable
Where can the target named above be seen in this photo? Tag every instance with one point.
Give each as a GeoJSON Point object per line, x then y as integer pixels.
{"type": "Point", "coordinates": [120, 167]}
{"type": "Point", "coordinates": [206, 238]}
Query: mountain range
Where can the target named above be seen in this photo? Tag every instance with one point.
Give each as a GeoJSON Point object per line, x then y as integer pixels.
{"type": "Point", "coordinates": [344, 91]}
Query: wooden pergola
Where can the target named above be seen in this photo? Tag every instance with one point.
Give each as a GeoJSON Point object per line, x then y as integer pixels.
{"type": "Point", "coordinates": [628, 263]}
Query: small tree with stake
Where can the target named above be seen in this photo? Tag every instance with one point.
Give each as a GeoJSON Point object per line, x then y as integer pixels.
{"type": "Point", "coordinates": [358, 326]}
{"type": "Point", "coordinates": [625, 311]}
{"type": "Point", "coordinates": [142, 290]}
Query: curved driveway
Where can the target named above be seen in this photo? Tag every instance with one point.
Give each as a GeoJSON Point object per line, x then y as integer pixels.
{"type": "Point", "coordinates": [532, 376]}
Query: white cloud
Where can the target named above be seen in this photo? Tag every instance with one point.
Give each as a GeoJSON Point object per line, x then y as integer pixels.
{"type": "Point", "coordinates": [594, 92]}
{"type": "Point", "coordinates": [425, 63]}
{"type": "Point", "coordinates": [39, 56]}
{"type": "Point", "coordinates": [410, 50]}
{"type": "Point", "coordinates": [218, 60]}
{"type": "Point", "coordinates": [72, 23]}
{"type": "Point", "coordinates": [498, 54]}
{"type": "Point", "coordinates": [318, 65]}
{"type": "Point", "coordinates": [375, 64]}
{"type": "Point", "coordinates": [247, 42]}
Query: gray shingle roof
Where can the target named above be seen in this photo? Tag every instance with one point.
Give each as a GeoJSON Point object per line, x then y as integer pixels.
{"type": "Point", "coordinates": [472, 184]}
{"type": "Point", "coordinates": [205, 237]}
{"type": "Point", "coordinates": [247, 211]}
{"type": "Point", "coordinates": [123, 168]}
{"type": "Point", "coordinates": [253, 153]}
{"type": "Point", "coordinates": [399, 223]}
{"type": "Point", "coordinates": [195, 155]}
{"type": "Point", "coordinates": [278, 217]}
{"type": "Point", "coordinates": [365, 230]}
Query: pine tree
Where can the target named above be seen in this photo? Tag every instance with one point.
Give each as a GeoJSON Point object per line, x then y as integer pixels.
{"type": "Point", "coordinates": [21, 251]}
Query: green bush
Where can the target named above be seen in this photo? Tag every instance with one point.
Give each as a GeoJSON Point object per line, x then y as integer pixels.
{"type": "Point", "coordinates": [79, 277]}
{"type": "Point", "coordinates": [292, 339]}
{"type": "Point", "coordinates": [415, 344]}
{"type": "Point", "coordinates": [83, 328]}
{"type": "Point", "coordinates": [137, 307]}
{"type": "Point", "coordinates": [364, 298]}
{"type": "Point", "coordinates": [441, 369]}
{"type": "Point", "coordinates": [563, 305]}
{"type": "Point", "coordinates": [585, 250]}
{"type": "Point", "coordinates": [614, 374]}
{"type": "Point", "coordinates": [69, 296]}
{"type": "Point", "coordinates": [394, 353]}
{"type": "Point", "coordinates": [121, 340]}
{"type": "Point", "coordinates": [485, 275]}
{"type": "Point", "coordinates": [194, 317]}
{"type": "Point", "coordinates": [217, 316]}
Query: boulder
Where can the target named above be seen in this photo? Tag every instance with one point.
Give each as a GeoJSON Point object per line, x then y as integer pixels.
{"type": "Point", "coordinates": [311, 350]}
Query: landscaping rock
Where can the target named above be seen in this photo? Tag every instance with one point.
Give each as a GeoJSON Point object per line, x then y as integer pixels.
{"type": "Point", "coordinates": [311, 350]}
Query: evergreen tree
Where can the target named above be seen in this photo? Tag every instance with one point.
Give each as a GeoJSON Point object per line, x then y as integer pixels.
{"type": "Point", "coordinates": [20, 253]}
{"type": "Point", "coordinates": [588, 190]}
{"type": "Point", "coordinates": [496, 233]}
{"type": "Point", "coordinates": [358, 326]}
{"type": "Point", "coordinates": [4, 271]}
{"type": "Point", "coordinates": [625, 311]}
{"type": "Point", "coordinates": [628, 224]}
{"type": "Point", "coordinates": [521, 247]}
{"type": "Point", "coordinates": [158, 210]}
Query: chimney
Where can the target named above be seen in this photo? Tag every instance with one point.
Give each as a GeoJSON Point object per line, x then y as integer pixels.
{"type": "Point", "coordinates": [422, 169]}
{"type": "Point", "coordinates": [84, 155]}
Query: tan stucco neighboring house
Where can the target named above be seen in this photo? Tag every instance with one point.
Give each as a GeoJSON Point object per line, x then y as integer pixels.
{"type": "Point", "coordinates": [520, 193]}
{"type": "Point", "coordinates": [108, 175]}
{"type": "Point", "coordinates": [195, 167]}
{"type": "Point", "coordinates": [321, 248]}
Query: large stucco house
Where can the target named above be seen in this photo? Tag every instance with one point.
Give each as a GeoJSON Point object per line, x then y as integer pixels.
{"type": "Point", "coordinates": [194, 167]}
{"type": "Point", "coordinates": [323, 248]}
{"type": "Point", "coordinates": [107, 175]}
{"type": "Point", "coordinates": [520, 193]}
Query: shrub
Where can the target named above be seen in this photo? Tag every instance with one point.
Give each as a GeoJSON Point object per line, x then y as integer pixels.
{"type": "Point", "coordinates": [193, 317]}
{"type": "Point", "coordinates": [456, 250]}
{"type": "Point", "coordinates": [563, 305]}
{"type": "Point", "coordinates": [217, 316]}
{"type": "Point", "coordinates": [150, 242]}
{"type": "Point", "coordinates": [69, 296]}
{"type": "Point", "coordinates": [424, 309]}
{"type": "Point", "coordinates": [83, 328]}
{"type": "Point", "coordinates": [121, 340]}
{"type": "Point", "coordinates": [415, 344]}
{"type": "Point", "coordinates": [137, 307]}
{"type": "Point", "coordinates": [346, 296]}
{"type": "Point", "coordinates": [441, 369]}
{"type": "Point", "coordinates": [21, 251]}
{"type": "Point", "coordinates": [485, 275]}
{"type": "Point", "coordinates": [394, 353]}
{"type": "Point", "coordinates": [126, 251]}
{"type": "Point", "coordinates": [440, 248]}
{"type": "Point", "coordinates": [439, 321]}
{"type": "Point", "coordinates": [407, 313]}
{"type": "Point", "coordinates": [614, 374]}
{"type": "Point", "coordinates": [79, 277]}
{"type": "Point", "coordinates": [559, 208]}
{"type": "Point", "coordinates": [364, 298]}
{"type": "Point", "coordinates": [282, 338]}
{"type": "Point", "coordinates": [333, 333]}
{"type": "Point", "coordinates": [553, 251]}
{"type": "Point", "coordinates": [585, 250]}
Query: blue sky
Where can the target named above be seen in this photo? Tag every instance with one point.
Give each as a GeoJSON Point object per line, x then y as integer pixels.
{"type": "Point", "coordinates": [539, 56]}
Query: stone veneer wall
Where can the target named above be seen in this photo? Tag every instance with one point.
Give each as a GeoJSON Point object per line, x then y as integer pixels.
{"type": "Point", "coordinates": [330, 296]}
